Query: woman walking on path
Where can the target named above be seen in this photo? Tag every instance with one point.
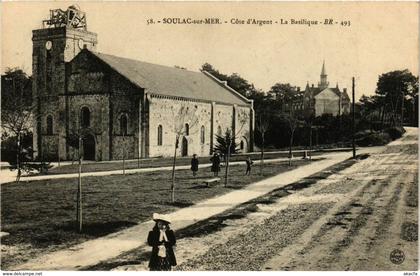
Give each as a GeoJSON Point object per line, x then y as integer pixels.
{"type": "Point", "coordinates": [194, 164]}
{"type": "Point", "coordinates": [162, 239]}
{"type": "Point", "coordinates": [215, 166]}
{"type": "Point", "coordinates": [248, 166]}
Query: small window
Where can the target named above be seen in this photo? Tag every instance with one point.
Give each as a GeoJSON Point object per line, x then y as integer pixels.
{"type": "Point", "coordinates": [242, 145]}
{"type": "Point", "coordinates": [202, 135]}
{"type": "Point", "coordinates": [219, 131]}
{"type": "Point", "coordinates": [160, 136]}
{"type": "Point", "coordinates": [187, 130]}
{"type": "Point", "coordinates": [85, 117]}
{"type": "Point", "coordinates": [123, 125]}
{"type": "Point", "coordinates": [49, 125]}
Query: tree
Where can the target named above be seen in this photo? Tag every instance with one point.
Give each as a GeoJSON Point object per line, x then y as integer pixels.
{"type": "Point", "coordinates": [227, 146]}
{"type": "Point", "coordinates": [235, 81]}
{"type": "Point", "coordinates": [262, 126]}
{"type": "Point", "coordinates": [394, 86]}
{"type": "Point", "coordinates": [293, 123]}
{"type": "Point", "coordinates": [185, 120]}
{"type": "Point", "coordinates": [214, 72]}
{"type": "Point", "coordinates": [282, 93]}
{"type": "Point", "coordinates": [17, 110]}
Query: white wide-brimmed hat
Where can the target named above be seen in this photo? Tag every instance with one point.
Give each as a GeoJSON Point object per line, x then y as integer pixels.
{"type": "Point", "coordinates": [165, 218]}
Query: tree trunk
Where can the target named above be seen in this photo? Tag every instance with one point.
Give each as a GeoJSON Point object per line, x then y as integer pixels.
{"type": "Point", "coordinates": [18, 167]}
{"type": "Point", "coordinates": [79, 192]}
{"type": "Point", "coordinates": [310, 143]}
{"type": "Point", "coordinates": [123, 154]}
{"type": "Point", "coordinates": [227, 164]}
{"type": "Point", "coordinates": [290, 148]}
{"type": "Point", "coordinates": [402, 110]}
{"type": "Point", "coordinates": [262, 155]}
{"type": "Point", "coordinates": [173, 173]}
{"type": "Point", "coordinates": [382, 117]}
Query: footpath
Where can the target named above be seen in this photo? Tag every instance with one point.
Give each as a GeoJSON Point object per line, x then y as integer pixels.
{"type": "Point", "coordinates": [7, 176]}
{"type": "Point", "coordinates": [92, 252]}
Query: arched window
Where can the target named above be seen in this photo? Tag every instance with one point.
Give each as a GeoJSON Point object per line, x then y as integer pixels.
{"type": "Point", "coordinates": [123, 124]}
{"type": "Point", "coordinates": [160, 136]}
{"type": "Point", "coordinates": [202, 135]}
{"type": "Point", "coordinates": [49, 125]}
{"type": "Point", "coordinates": [187, 130]}
{"type": "Point", "coordinates": [85, 117]}
{"type": "Point", "coordinates": [242, 145]}
{"type": "Point", "coordinates": [219, 131]}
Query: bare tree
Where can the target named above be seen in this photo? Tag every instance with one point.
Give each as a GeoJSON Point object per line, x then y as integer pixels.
{"type": "Point", "coordinates": [262, 127]}
{"type": "Point", "coordinates": [185, 120]}
{"type": "Point", "coordinates": [293, 123]}
{"type": "Point", "coordinates": [227, 144]}
{"type": "Point", "coordinates": [17, 109]}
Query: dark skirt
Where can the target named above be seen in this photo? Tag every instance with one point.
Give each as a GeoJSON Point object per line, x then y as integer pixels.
{"type": "Point", "coordinates": [161, 265]}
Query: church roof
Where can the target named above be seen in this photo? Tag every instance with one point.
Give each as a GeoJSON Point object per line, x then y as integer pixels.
{"type": "Point", "coordinates": [171, 81]}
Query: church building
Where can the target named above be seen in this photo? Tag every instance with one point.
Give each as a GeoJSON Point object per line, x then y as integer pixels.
{"type": "Point", "coordinates": [122, 107]}
{"type": "Point", "coordinates": [322, 99]}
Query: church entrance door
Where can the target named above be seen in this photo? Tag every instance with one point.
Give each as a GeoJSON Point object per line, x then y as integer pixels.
{"type": "Point", "coordinates": [89, 147]}
{"type": "Point", "coordinates": [184, 148]}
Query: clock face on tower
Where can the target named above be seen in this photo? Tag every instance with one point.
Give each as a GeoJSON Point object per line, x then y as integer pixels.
{"type": "Point", "coordinates": [48, 45]}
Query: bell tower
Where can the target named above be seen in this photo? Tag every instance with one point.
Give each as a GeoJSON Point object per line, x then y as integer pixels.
{"type": "Point", "coordinates": [323, 83]}
{"type": "Point", "coordinates": [62, 36]}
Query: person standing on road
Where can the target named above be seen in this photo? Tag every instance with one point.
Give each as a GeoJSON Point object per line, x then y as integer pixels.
{"type": "Point", "coordinates": [194, 164]}
{"type": "Point", "coordinates": [248, 165]}
{"type": "Point", "coordinates": [161, 239]}
{"type": "Point", "coordinates": [215, 164]}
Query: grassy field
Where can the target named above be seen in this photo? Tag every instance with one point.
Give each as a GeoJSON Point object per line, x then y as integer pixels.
{"type": "Point", "coordinates": [41, 214]}
{"type": "Point", "coordinates": [167, 161]}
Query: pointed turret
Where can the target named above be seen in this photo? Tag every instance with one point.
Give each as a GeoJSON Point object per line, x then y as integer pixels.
{"type": "Point", "coordinates": [323, 83]}
{"type": "Point", "coordinates": [323, 72]}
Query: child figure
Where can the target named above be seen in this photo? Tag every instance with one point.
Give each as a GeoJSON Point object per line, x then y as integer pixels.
{"type": "Point", "coordinates": [161, 239]}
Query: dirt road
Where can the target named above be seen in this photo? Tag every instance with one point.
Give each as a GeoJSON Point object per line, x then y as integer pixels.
{"type": "Point", "coordinates": [364, 217]}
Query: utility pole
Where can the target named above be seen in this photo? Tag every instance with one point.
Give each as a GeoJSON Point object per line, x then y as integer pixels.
{"type": "Point", "coordinates": [353, 120]}
{"type": "Point", "coordinates": [402, 107]}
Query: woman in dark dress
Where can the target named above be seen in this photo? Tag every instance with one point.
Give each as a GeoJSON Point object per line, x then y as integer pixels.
{"type": "Point", "coordinates": [161, 239]}
{"type": "Point", "coordinates": [215, 166]}
{"type": "Point", "coordinates": [194, 164]}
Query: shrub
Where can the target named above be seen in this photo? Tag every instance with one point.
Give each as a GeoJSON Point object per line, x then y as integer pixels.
{"type": "Point", "coordinates": [363, 133]}
{"type": "Point", "coordinates": [395, 132]}
{"type": "Point", "coordinates": [374, 139]}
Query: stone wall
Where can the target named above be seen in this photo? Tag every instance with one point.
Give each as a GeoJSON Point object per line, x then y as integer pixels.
{"type": "Point", "coordinates": [243, 128]}
{"type": "Point", "coordinates": [326, 102]}
{"type": "Point", "coordinates": [125, 100]}
{"type": "Point", "coordinates": [166, 112]}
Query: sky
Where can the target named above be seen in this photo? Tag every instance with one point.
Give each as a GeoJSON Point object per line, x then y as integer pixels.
{"type": "Point", "coordinates": [382, 37]}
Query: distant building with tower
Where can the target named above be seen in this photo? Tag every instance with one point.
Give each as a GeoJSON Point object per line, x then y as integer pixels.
{"type": "Point", "coordinates": [123, 106]}
{"type": "Point", "coordinates": [321, 99]}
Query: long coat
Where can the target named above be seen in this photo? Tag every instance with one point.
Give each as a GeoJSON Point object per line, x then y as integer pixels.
{"type": "Point", "coordinates": [215, 167]}
{"type": "Point", "coordinates": [153, 240]}
{"type": "Point", "coordinates": [194, 164]}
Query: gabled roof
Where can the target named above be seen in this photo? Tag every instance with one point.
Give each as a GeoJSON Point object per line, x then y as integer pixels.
{"type": "Point", "coordinates": [171, 81]}
{"type": "Point", "coordinates": [316, 90]}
